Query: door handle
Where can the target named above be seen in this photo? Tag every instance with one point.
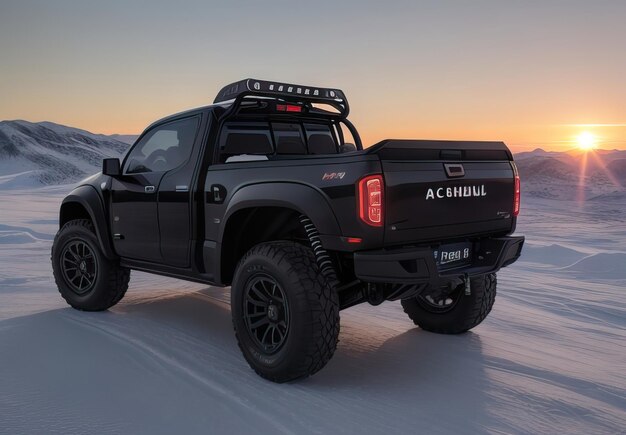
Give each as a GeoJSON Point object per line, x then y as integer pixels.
{"type": "Point", "coordinates": [148, 189]}
{"type": "Point", "coordinates": [454, 170]}
{"type": "Point", "coordinates": [217, 194]}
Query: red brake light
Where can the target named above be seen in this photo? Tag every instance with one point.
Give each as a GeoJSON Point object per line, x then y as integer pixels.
{"type": "Point", "coordinates": [288, 108]}
{"type": "Point", "coordinates": [371, 200]}
{"type": "Point", "coordinates": [517, 200]}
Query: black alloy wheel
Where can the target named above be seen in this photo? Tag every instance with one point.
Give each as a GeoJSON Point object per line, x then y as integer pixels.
{"type": "Point", "coordinates": [86, 278]}
{"type": "Point", "coordinates": [285, 314]}
{"type": "Point", "coordinates": [79, 266]}
{"type": "Point", "coordinates": [266, 312]}
{"type": "Point", "coordinates": [442, 302]}
{"type": "Point", "coordinates": [455, 312]}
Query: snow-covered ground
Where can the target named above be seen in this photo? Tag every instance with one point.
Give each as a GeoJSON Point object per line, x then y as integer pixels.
{"type": "Point", "coordinates": [551, 357]}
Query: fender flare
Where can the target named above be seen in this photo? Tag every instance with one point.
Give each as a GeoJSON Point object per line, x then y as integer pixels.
{"type": "Point", "coordinates": [89, 198]}
{"type": "Point", "coordinates": [299, 197]}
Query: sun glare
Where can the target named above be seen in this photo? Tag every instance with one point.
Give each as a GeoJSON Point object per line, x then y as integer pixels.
{"type": "Point", "coordinates": [586, 141]}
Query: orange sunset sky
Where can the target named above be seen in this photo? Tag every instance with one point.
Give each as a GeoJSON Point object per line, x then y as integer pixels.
{"type": "Point", "coordinates": [534, 74]}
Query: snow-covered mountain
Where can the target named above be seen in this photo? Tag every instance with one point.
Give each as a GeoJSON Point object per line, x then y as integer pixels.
{"type": "Point", "coordinates": [45, 153]}
{"type": "Point", "coordinates": [572, 174]}
{"type": "Point", "coordinates": [126, 138]}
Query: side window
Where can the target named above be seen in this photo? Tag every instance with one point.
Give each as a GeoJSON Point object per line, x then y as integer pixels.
{"type": "Point", "coordinates": [320, 139]}
{"type": "Point", "coordinates": [288, 138]}
{"type": "Point", "coordinates": [251, 138]}
{"type": "Point", "coordinates": [164, 148]}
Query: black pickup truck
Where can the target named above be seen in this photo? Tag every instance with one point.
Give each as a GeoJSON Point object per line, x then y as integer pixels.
{"type": "Point", "coordinates": [269, 190]}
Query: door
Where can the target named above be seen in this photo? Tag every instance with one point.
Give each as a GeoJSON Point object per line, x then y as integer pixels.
{"type": "Point", "coordinates": [134, 195]}
{"type": "Point", "coordinates": [175, 197]}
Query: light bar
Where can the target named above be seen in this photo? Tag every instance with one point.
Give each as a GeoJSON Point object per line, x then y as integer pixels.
{"type": "Point", "coordinates": [334, 97]}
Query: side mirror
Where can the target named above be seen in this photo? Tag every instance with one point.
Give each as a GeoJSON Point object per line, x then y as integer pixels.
{"type": "Point", "coordinates": [111, 167]}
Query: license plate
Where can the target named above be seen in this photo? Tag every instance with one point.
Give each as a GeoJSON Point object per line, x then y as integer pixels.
{"type": "Point", "coordinates": [454, 254]}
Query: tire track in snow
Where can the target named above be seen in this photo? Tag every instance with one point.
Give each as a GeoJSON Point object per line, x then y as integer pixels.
{"type": "Point", "coordinates": [172, 364]}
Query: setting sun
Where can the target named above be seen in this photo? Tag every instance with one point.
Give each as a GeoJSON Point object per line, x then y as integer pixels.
{"type": "Point", "coordinates": [586, 141]}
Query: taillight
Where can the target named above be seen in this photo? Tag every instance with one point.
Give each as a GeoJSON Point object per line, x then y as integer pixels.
{"type": "Point", "coordinates": [371, 200]}
{"type": "Point", "coordinates": [517, 197]}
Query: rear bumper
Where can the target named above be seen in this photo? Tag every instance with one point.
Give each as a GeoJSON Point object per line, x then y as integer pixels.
{"type": "Point", "coordinates": [417, 265]}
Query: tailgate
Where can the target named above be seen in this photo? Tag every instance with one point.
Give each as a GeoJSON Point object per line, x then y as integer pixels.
{"type": "Point", "coordinates": [438, 190]}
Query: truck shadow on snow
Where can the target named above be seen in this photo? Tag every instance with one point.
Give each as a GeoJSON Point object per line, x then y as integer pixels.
{"type": "Point", "coordinates": [402, 372]}
{"type": "Point", "coordinates": [369, 351]}
{"type": "Point", "coordinates": [367, 354]}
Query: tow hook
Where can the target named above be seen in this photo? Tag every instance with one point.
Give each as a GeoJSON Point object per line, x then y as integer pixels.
{"type": "Point", "coordinates": [468, 288]}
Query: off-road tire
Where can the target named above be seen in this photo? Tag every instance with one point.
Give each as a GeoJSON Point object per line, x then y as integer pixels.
{"type": "Point", "coordinates": [469, 311]}
{"type": "Point", "coordinates": [313, 304]}
{"type": "Point", "coordinates": [111, 281]}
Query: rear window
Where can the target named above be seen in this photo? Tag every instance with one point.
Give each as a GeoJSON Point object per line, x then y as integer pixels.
{"type": "Point", "coordinates": [320, 139]}
{"type": "Point", "coordinates": [279, 138]}
{"type": "Point", "coordinates": [288, 138]}
{"type": "Point", "coordinates": [249, 138]}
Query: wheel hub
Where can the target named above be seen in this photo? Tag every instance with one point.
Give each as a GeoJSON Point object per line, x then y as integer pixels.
{"type": "Point", "coordinates": [272, 312]}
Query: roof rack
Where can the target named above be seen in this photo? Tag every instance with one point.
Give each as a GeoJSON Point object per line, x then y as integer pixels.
{"type": "Point", "coordinates": [285, 91]}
